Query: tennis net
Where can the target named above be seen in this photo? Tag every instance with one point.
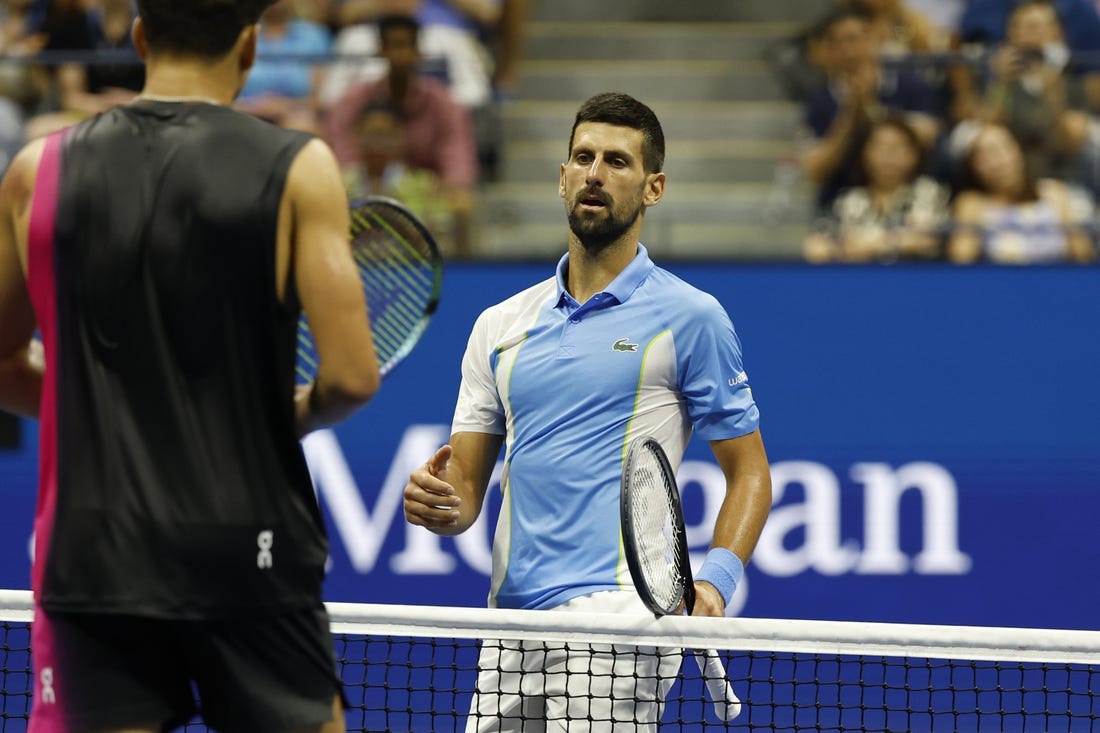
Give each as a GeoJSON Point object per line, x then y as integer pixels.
{"type": "Point", "coordinates": [416, 668]}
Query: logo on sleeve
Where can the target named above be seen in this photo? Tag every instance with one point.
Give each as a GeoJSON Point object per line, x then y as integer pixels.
{"type": "Point", "coordinates": [624, 345]}
{"type": "Point", "coordinates": [741, 378]}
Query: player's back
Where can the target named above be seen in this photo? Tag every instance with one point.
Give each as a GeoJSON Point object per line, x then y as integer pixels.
{"type": "Point", "coordinates": [180, 488]}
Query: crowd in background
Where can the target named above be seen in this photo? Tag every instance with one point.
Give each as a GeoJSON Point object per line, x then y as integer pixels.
{"type": "Point", "coordinates": [958, 130]}
{"type": "Point", "coordinates": [971, 136]}
{"type": "Point", "coordinates": [411, 109]}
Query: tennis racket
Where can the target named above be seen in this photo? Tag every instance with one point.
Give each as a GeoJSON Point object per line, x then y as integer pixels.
{"type": "Point", "coordinates": [655, 544]}
{"type": "Point", "coordinates": [402, 274]}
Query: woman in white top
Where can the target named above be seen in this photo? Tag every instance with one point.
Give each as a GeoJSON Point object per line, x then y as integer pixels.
{"type": "Point", "coordinates": [1003, 215]}
{"type": "Point", "coordinates": [897, 214]}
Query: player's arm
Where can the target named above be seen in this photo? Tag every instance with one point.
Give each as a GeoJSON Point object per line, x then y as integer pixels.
{"type": "Point", "coordinates": [21, 360]}
{"type": "Point", "coordinates": [329, 288]}
{"type": "Point", "coordinates": [446, 494]}
{"type": "Point", "coordinates": [742, 515]}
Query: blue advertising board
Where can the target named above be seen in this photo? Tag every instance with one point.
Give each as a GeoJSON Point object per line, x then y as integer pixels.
{"type": "Point", "coordinates": [932, 431]}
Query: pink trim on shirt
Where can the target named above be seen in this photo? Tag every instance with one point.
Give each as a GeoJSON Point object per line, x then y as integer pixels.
{"type": "Point", "coordinates": [42, 286]}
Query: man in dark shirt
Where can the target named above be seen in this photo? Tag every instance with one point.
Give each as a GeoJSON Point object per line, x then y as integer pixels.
{"type": "Point", "coordinates": [860, 91]}
{"type": "Point", "coordinates": [165, 250]}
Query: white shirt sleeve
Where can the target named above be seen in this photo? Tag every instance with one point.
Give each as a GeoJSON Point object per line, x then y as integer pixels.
{"type": "Point", "coordinates": [479, 408]}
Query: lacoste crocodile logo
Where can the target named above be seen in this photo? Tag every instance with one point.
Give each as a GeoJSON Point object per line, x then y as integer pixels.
{"type": "Point", "coordinates": [624, 345]}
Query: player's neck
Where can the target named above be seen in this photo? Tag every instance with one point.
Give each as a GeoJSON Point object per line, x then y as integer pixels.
{"type": "Point", "coordinates": [591, 272]}
{"type": "Point", "coordinates": [185, 81]}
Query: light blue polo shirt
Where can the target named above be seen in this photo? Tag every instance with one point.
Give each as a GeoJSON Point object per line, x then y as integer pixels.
{"type": "Point", "coordinates": [569, 385]}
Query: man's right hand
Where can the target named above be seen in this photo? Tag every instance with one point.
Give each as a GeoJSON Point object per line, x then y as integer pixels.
{"type": "Point", "coordinates": [429, 500]}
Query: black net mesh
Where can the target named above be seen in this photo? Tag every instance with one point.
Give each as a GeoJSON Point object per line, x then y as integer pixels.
{"type": "Point", "coordinates": [403, 683]}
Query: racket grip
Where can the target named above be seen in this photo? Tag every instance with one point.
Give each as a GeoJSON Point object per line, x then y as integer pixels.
{"type": "Point", "coordinates": [727, 705]}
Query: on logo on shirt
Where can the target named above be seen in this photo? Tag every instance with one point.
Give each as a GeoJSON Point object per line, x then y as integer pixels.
{"type": "Point", "coordinates": [265, 541]}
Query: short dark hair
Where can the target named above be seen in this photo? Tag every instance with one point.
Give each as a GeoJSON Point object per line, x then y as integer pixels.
{"type": "Point", "coordinates": [897, 121]}
{"type": "Point", "coordinates": [197, 28]}
{"type": "Point", "coordinates": [969, 180]}
{"type": "Point", "coordinates": [614, 108]}
{"type": "Point", "coordinates": [393, 22]}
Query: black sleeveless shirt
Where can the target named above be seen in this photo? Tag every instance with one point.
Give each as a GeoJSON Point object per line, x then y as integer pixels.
{"type": "Point", "coordinates": [181, 489]}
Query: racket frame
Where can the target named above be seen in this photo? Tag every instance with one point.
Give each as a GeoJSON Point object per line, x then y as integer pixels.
{"type": "Point", "coordinates": [727, 705]}
{"type": "Point", "coordinates": [631, 540]}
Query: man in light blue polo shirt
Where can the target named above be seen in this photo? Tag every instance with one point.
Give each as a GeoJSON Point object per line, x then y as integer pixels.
{"type": "Point", "coordinates": [563, 375]}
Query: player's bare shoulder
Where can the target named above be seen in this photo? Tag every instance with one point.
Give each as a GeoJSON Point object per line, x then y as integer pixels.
{"type": "Point", "coordinates": [17, 194]}
{"type": "Point", "coordinates": [314, 186]}
{"type": "Point", "coordinates": [19, 178]}
{"type": "Point", "coordinates": [314, 161]}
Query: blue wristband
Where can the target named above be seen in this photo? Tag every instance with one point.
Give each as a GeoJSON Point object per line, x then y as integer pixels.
{"type": "Point", "coordinates": [723, 570]}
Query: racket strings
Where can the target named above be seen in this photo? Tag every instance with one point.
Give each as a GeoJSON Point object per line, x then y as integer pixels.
{"type": "Point", "coordinates": [399, 269]}
{"type": "Point", "coordinates": [392, 314]}
{"type": "Point", "coordinates": [396, 303]}
{"type": "Point", "coordinates": [657, 536]}
{"type": "Point", "coordinates": [409, 239]}
{"type": "Point", "coordinates": [386, 265]}
{"type": "Point", "coordinates": [397, 277]}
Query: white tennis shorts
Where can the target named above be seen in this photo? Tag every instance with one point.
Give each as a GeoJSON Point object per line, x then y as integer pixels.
{"type": "Point", "coordinates": [535, 687]}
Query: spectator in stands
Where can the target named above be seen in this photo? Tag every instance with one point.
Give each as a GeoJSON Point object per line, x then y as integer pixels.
{"type": "Point", "coordinates": [986, 23]}
{"type": "Point", "coordinates": [451, 33]}
{"type": "Point", "coordinates": [1003, 214]}
{"type": "Point", "coordinates": [1031, 90]}
{"type": "Point", "coordinates": [896, 29]}
{"type": "Point", "coordinates": [860, 91]}
{"type": "Point", "coordinates": [898, 213]}
{"type": "Point", "coordinates": [20, 84]}
{"type": "Point", "coordinates": [17, 82]}
{"type": "Point", "coordinates": [381, 145]}
{"type": "Point", "coordinates": [85, 89]}
{"type": "Point", "coordinates": [905, 38]}
{"type": "Point", "coordinates": [357, 41]}
{"type": "Point", "coordinates": [453, 30]}
{"type": "Point", "coordinates": [283, 90]}
{"type": "Point", "coordinates": [382, 171]}
{"type": "Point", "coordinates": [473, 45]}
{"type": "Point", "coordinates": [438, 132]}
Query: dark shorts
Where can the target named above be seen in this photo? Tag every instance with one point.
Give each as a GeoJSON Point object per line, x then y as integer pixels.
{"type": "Point", "coordinates": [260, 673]}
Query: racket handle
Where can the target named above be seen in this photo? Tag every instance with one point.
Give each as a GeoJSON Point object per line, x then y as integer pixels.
{"type": "Point", "coordinates": [727, 705]}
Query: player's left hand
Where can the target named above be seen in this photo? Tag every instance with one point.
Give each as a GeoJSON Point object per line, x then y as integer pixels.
{"type": "Point", "coordinates": [708, 601]}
